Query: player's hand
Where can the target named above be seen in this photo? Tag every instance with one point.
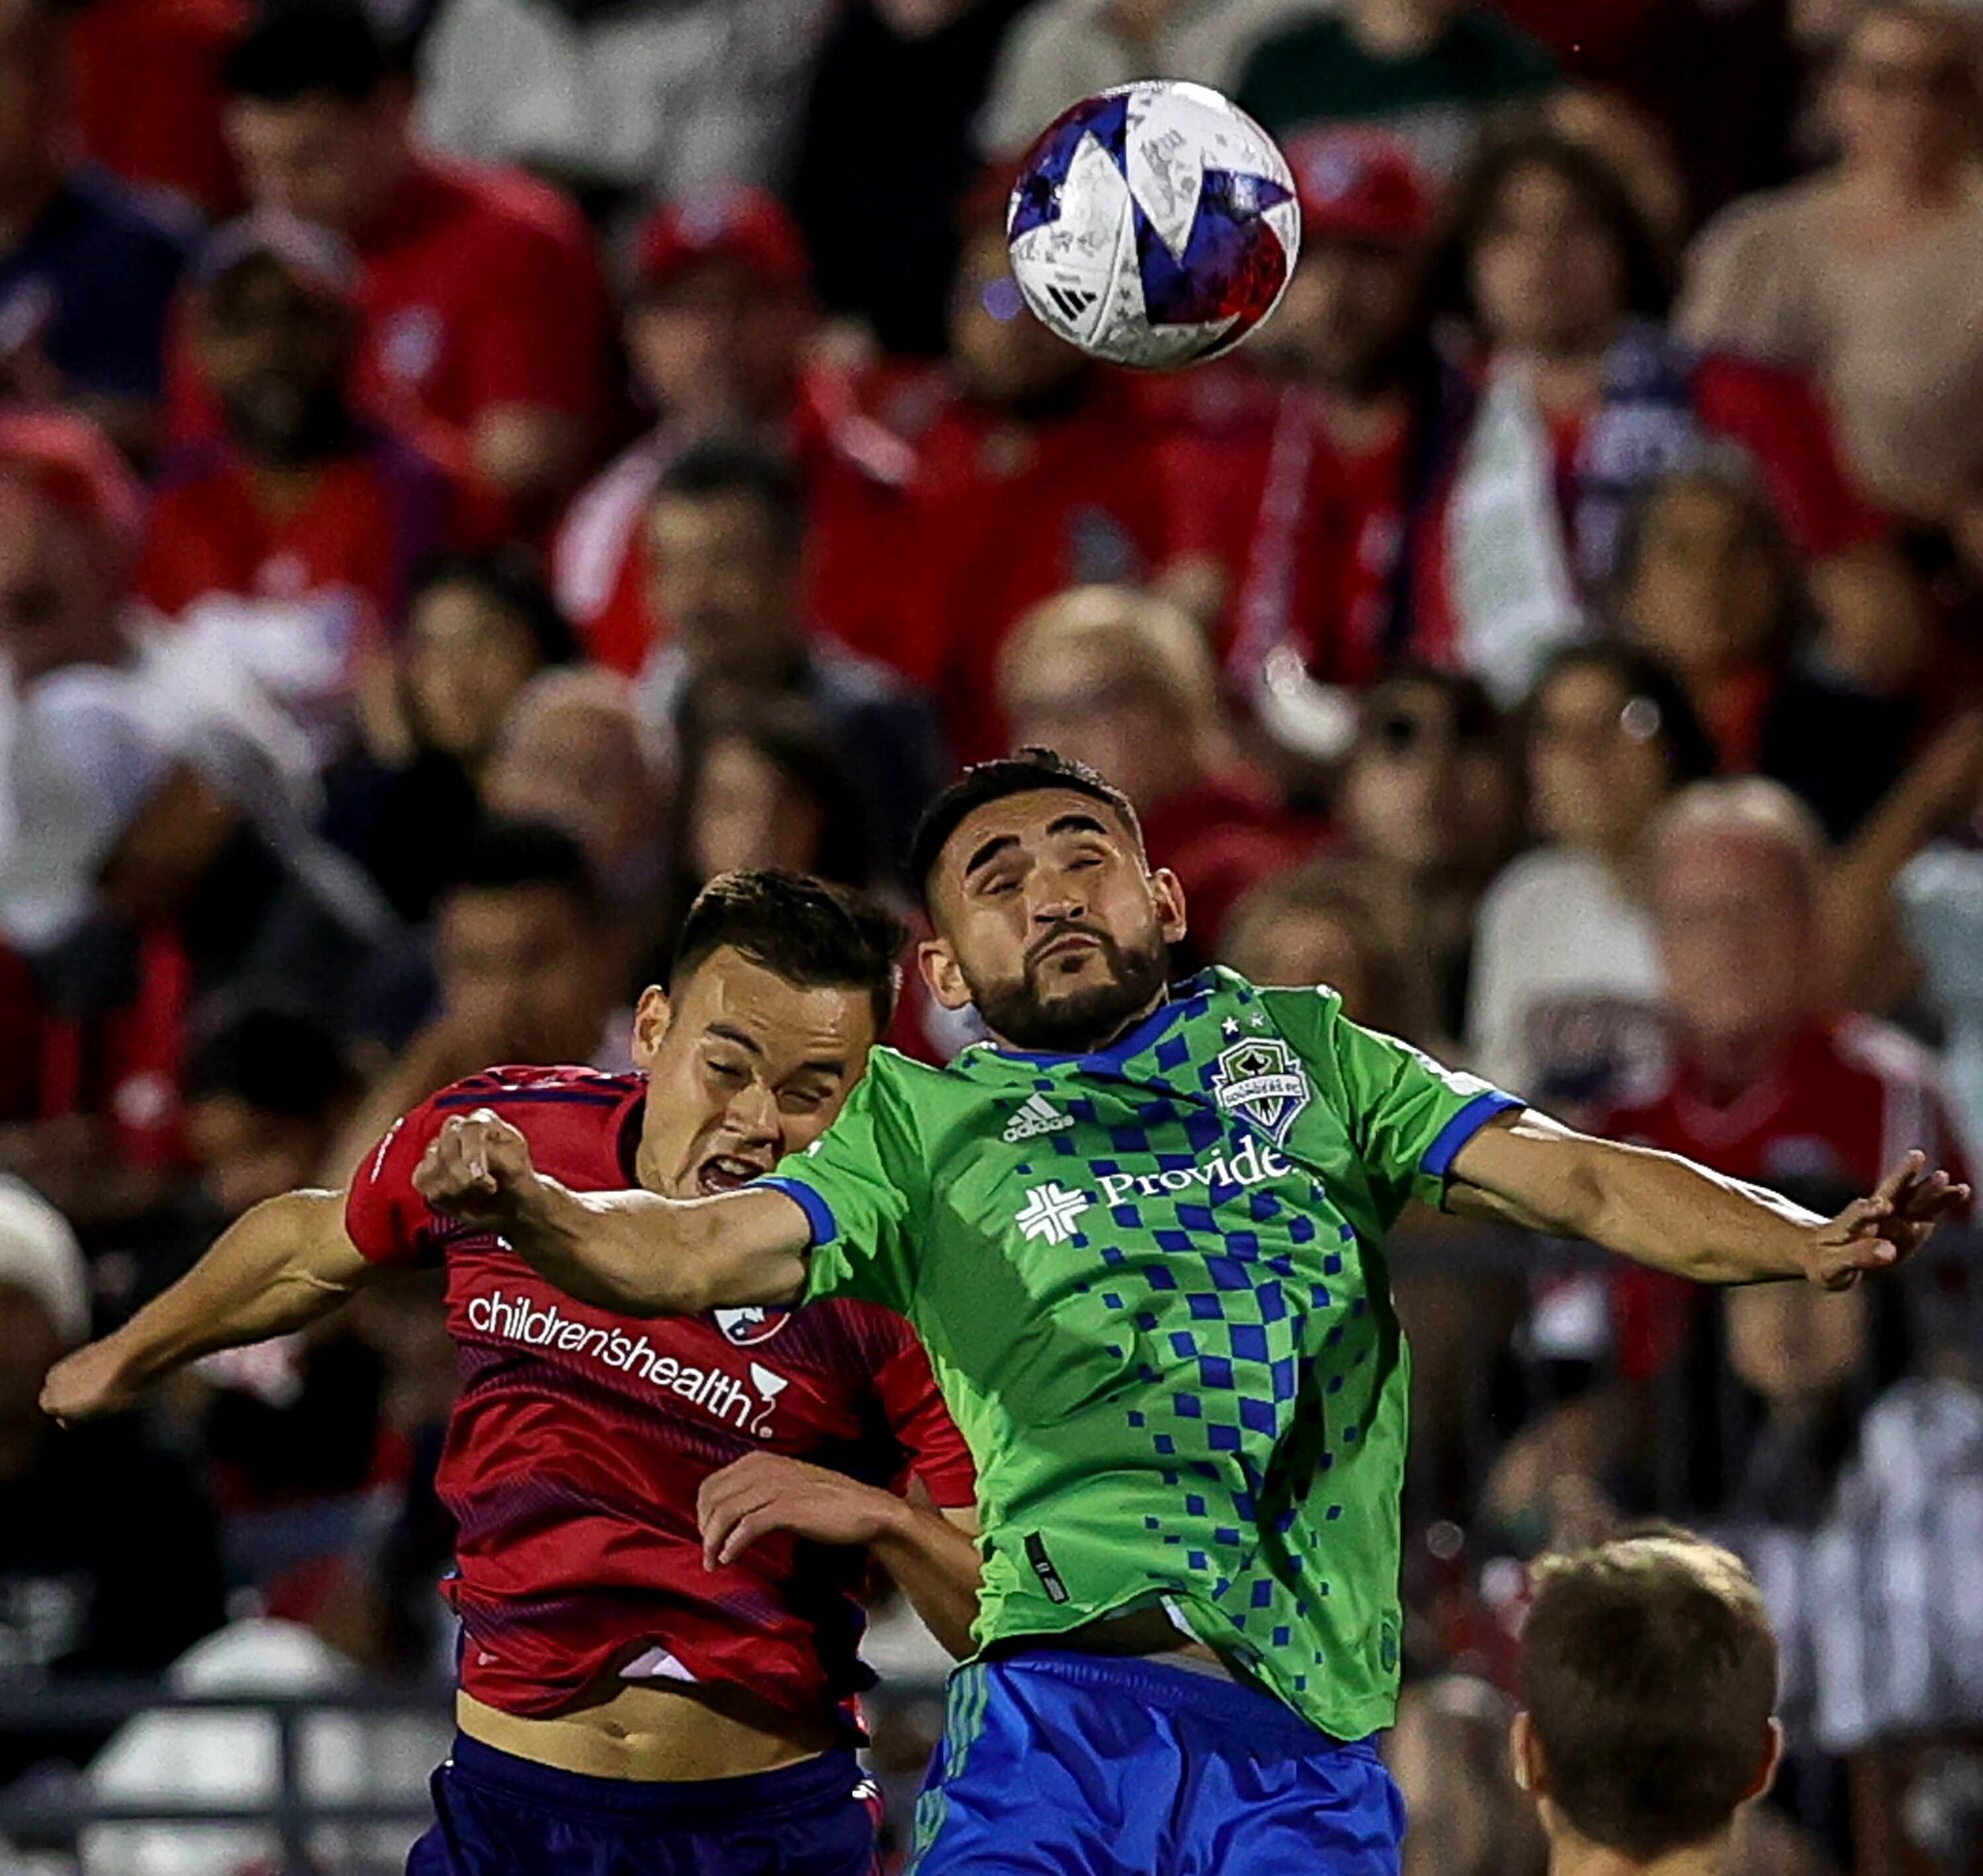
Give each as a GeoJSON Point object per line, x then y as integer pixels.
{"type": "Point", "coordinates": [89, 1384]}
{"type": "Point", "coordinates": [765, 1491]}
{"type": "Point", "coordinates": [1887, 1228]}
{"type": "Point", "coordinates": [477, 1168]}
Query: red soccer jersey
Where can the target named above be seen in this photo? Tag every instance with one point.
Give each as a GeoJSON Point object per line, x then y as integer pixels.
{"type": "Point", "coordinates": [480, 290]}
{"type": "Point", "coordinates": [579, 1438]}
{"type": "Point", "coordinates": [1850, 1096]}
{"type": "Point", "coordinates": [854, 474]}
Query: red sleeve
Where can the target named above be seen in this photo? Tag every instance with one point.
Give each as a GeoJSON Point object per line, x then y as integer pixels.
{"type": "Point", "coordinates": [385, 1217]}
{"type": "Point", "coordinates": [1778, 417]}
{"type": "Point", "coordinates": [538, 336]}
{"type": "Point", "coordinates": [918, 1419]}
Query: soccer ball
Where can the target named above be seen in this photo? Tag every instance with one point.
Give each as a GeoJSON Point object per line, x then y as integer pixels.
{"type": "Point", "coordinates": [1154, 225]}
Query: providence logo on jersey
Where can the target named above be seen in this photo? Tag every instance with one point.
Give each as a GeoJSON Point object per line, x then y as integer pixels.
{"type": "Point", "coordinates": [1053, 1212]}
{"type": "Point", "coordinates": [533, 1324]}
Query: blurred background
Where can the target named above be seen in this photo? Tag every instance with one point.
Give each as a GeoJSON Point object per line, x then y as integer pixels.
{"type": "Point", "coordinates": [472, 469]}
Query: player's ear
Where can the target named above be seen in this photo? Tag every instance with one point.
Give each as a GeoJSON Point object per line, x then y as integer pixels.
{"type": "Point", "coordinates": [1525, 1757]}
{"type": "Point", "coordinates": [946, 982]}
{"type": "Point", "coordinates": [1773, 1758]}
{"type": "Point", "coordinates": [652, 1017]}
{"type": "Point", "coordinates": [1166, 894]}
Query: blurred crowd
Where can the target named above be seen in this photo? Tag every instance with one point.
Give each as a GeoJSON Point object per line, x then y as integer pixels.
{"type": "Point", "coordinates": [471, 470]}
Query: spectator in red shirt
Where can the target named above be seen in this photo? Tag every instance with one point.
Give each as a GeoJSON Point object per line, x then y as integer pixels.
{"type": "Point", "coordinates": [1321, 491]}
{"type": "Point", "coordinates": [481, 295]}
{"type": "Point", "coordinates": [1585, 398]}
{"type": "Point", "coordinates": [1123, 682]}
{"type": "Point", "coordinates": [720, 308]}
{"type": "Point", "coordinates": [1036, 471]}
{"type": "Point", "coordinates": [1770, 1083]}
{"type": "Point", "coordinates": [294, 537]}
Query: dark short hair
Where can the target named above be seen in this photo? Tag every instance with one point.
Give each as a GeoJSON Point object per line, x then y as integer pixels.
{"type": "Point", "coordinates": [278, 1061]}
{"type": "Point", "coordinates": [1690, 751]}
{"type": "Point", "coordinates": [1028, 772]}
{"type": "Point", "coordinates": [1644, 266]}
{"type": "Point", "coordinates": [511, 579]}
{"type": "Point", "coordinates": [1649, 1673]}
{"type": "Point", "coordinates": [735, 465]}
{"type": "Point", "coordinates": [506, 855]}
{"type": "Point", "coordinates": [305, 48]}
{"type": "Point", "coordinates": [814, 935]}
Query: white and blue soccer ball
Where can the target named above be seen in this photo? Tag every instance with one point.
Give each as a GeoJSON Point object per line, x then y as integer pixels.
{"type": "Point", "coordinates": [1154, 225]}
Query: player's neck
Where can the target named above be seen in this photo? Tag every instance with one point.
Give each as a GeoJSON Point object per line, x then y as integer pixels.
{"type": "Point", "coordinates": [1572, 1855]}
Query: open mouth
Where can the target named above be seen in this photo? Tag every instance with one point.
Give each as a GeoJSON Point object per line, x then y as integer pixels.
{"type": "Point", "coordinates": [726, 1172]}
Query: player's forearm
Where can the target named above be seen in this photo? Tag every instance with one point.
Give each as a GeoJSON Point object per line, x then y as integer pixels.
{"type": "Point", "coordinates": [264, 1276]}
{"type": "Point", "coordinates": [638, 1253]}
{"type": "Point", "coordinates": [1674, 1216]}
{"type": "Point", "coordinates": [936, 1565]}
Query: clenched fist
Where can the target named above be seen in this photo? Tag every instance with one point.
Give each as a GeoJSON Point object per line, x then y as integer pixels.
{"type": "Point", "coordinates": [477, 1168]}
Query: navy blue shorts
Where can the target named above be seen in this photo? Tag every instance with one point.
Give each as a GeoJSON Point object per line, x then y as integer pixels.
{"type": "Point", "coordinates": [498, 1815]}
{"type": "Point", "coordinates": [1055, 1763]}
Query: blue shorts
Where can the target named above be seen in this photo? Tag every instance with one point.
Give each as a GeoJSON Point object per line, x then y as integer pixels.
{"type": "Point", "coordinates": [1055, 1763]}
{"type": "Point", "coordinates": [498, 1815]}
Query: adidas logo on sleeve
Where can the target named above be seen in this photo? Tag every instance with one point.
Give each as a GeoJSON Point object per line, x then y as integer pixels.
{"type": "Point", "coordinates": [1036, 1116]}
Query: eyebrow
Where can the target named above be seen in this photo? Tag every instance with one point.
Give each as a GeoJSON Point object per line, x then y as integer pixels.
{"type": "Point", "coordinates": [1077, 824]}
{"type": "Point", "coordinates": [820, 1064]}
{"type": "Point", "coordinates": [990, 851]}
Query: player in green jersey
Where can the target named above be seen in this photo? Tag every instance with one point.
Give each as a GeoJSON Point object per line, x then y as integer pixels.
{"type": "Point", "coordinates": [1142, 1234]}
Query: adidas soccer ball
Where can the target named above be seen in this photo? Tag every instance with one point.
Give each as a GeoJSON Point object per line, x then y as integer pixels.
{"type": "Point", "coordinates": [1154, 225]}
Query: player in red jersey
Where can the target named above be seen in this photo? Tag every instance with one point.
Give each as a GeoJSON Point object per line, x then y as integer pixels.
{"type": "Point", "coordinates": [662, 1526]}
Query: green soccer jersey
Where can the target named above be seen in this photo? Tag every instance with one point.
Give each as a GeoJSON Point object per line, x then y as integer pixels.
{"type": "Point", "coordinates": [1153, 1287]}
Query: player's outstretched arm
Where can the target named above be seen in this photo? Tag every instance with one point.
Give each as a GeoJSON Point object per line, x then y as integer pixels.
{"type": "Point", "coordinates": [280, 1266]}
{"type": "Point", "coordinates": [634, 1252]}
{"type": "Point", "coordinates": [1667, 1211]}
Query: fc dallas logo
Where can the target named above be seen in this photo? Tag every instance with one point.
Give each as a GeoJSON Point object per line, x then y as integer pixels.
{"type": "Point", "coordinates": [747, 1327]}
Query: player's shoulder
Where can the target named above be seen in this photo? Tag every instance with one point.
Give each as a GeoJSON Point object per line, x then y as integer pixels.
{"type": "Point", "coordinates": [1299, 1003]}
{"type": "Point", "coordinates": [891, 1069]}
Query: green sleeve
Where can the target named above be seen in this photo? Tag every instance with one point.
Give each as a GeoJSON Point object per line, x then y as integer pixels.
{"type": "Point", "coordinates": [1408, 1115]}
{"type": "Point", "coordinates": [860, 1185]}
